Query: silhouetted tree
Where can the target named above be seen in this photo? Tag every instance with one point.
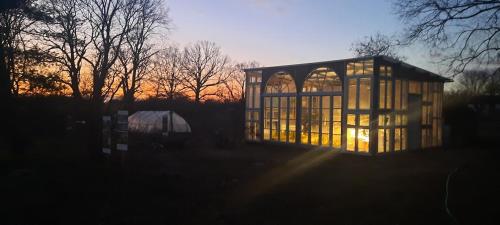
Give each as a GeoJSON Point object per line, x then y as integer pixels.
{"type": "Point", "coordinates": [146, 18]}
{"type": "Point", "coordinates": [67, 39]}
{"type": "Point", "coordinates": [203, 64]}
{"type": "Point", "coordinates": [473, 82]}
{"type": "Point", "coordinates": [235, 84]}
{"type": "Point", "coordinates": [461, 32]}
{"type": "Point", "coordinates": [167, 73]}
{"type": "Point", "coordinates": [478, 82]}
{"type": "Point", "coordinates": [108, 24]}
{"type": "Point", "coordinates": [14, 23]}
{"type": "Point", "coordinates": [493, 87]}
{"type": "Point", "coordinates": [377, 45]}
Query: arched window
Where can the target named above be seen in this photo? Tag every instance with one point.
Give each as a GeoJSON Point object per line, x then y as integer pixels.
{"type": "Point", "coordinates": [281, 83]}
{"type": "Point", "coordinates": [280, 108]}
{"type": "Point", "coordinates": [322, 80]}
{"type": "Point", "coordinates": [321, 119]}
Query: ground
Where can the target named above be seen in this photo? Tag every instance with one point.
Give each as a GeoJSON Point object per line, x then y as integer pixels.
{"type": "Point", "coordinates": [250, 184]}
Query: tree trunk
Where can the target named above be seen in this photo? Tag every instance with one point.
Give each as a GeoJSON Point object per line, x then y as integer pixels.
{"type": "Point", "coordinates": [95, 126]}
{"type": "Point", "coordinates": [197, 97]}
{"type": "Point", "coordinates": [129, 100]}
{"type": "Point", "coordinates": [75, 89]}
{"type": "Point", "coordinates": [5, 91]}
{"type": "Point", "coordinates": [76, 93]}
{"type": "Point", "coordinates": [6, 132]}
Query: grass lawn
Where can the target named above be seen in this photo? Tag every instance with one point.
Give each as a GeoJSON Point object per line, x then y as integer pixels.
{"type": "Point", "coordinates": [250, 184]}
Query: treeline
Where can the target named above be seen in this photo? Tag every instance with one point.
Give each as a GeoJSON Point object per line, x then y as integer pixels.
{"type": "Point", "coordinates": [101, 50]}
{"type": "Point", "coordinates": [97, 56]}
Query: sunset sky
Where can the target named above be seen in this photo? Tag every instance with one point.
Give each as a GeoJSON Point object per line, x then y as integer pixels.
{"type": "Point", "coordinates": [276, 32]}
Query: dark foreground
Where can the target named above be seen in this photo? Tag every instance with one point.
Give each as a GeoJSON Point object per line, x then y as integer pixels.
{"type": "Point", "coordinates": [252, 184]}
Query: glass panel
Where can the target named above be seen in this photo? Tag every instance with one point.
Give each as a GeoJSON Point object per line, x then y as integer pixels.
{"type": "Point", "coordinates": [389, 94]}
{"type": "Point", "coordinates": [403, 138]}
{"type": "Point", "coordinates": [351, 138]}
{"type": "Point", "coordinates": [363, 140]}
{"type": "Point", "coordinates": [398, 119]}
{"type": "Point", "coordinates": [281, 83]}
{"type": "Point", "coordinates": [404, 96]}
{"type": "Point", "coordinates": [292, 109]}
{"type": "Point", "coordinates": [315, 119]}
{"type": "Point", "coordinates": [314, 138]}
{"type": "Point", "coordinates": [337, 115]}
{"type": "Point", "coordinates": [322, 80]}
{"type": "Point", "coordinates": [364, 120]}
{"type": "Point", "coordinates": [336, 141]}
{"type": "Point", "coordinates": [381, 141]}
{"type": "Point", "coordinates": [252, 98]}
{"type": "Point", "coordinates": [415, 87]}
{"type": "Point", "coordinates": [267, 118]}
{"type": "Point", "coordinates": [337, 102]}
{"type": "Point", "coordinates": [425, 93]}
{"type": "Point", "coordinates": [337, 127]}
{"type": "Point", "coordinates": [257, 97]}
{"type": "Point", "coordinates": [275, 119]}
{"type": "Point", "coordinates": [266, 133]}
{"type": "Point", "coordinates": [368, 67]}
{"type": "Point", "coordinates": [424, 113]}
{"type": "Point", "coordinates": [364, 93]}
{"type": "Point", "coordinates": [292, 120]}
{"type": "Point", "coordinates": [291, 136]}
{"type": "Point", "coordinates": [382, 94]}
{"type": "Point", "coordinates": [382, 71]}
{"type": "Point", "coordinates": [249, 96]}
{"type": "Point", "coordinates": [389, 71]}
{"type": "Point", "coordinates": [383, 120]}
{"type": "Point", "coordinates": [351, 119]}
{"type": "Point", "coordinates": [358, 68]}
{"type": "Point", "coordinates": [388, 140]}
{"type": "Point", "coordinates": [325, 139]}
{"type": "Point", "coordinates": [305, 126]}
{"type": "Point", "coordinates": [397, 96]}
{"type": "Point", "coordinates": [283, 119]}
{"type": "Point", "coordinates": [325, 117]}
{"type": "Point", "coordinates": [397, 139]}
{"type": "Point", "coordinates": [350, 69]}
{"type": "Point", "coordinates": [352, 94]}
{"type": "Point", "coordinates": [325, 102]}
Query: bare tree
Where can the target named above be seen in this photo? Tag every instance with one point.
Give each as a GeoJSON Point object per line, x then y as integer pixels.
{"type": "Point", "coordinates": [66, 39]}
{"type": "Point", "coordinates": [493, 87]}
{"type": "Point", "coordinates": [376, 45]}
{"type": "Point", "coordinates": [109, 23]}
{"type": "Point", "coordinates": [473, 82]}
{"type": "Point", "coordinates": [461, 32]}
{"type": "Point", "coordinates": [235, 84]}
{"type": "Point", "coordinates": [15, 22]}
{"type": "Point", "coordinates": [479, 82]}
{"type": "Point", "coordinates": [203, 64]}
{"type": "Point", "coordinates": [147, 16]}
{"type": "Point", "coordinates": [167, 74]}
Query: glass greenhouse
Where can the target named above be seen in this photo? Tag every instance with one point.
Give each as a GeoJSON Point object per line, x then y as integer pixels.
{"type": "Point", "coordinates": [364, 105]}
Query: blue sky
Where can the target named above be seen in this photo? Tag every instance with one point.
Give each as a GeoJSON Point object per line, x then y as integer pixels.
{"type": "Point", "coordinates": [277, 32]}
